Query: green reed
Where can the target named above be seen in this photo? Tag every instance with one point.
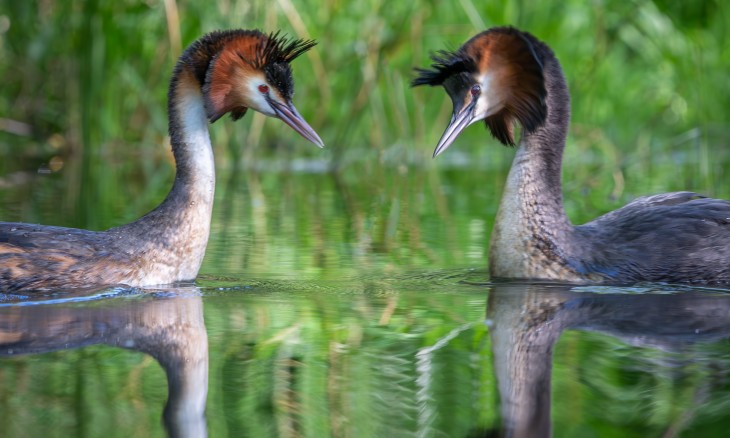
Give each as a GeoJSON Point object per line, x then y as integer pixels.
{"type": "Point", "coordinates": [89, 80]}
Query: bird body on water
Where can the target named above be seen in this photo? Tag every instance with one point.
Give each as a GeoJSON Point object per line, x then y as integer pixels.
{"type": "Point", "coordinates": [505, 76]}
{"type": "Point", "coordinates": [222, 72]}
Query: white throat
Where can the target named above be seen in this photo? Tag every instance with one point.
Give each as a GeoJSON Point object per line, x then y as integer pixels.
{"type": "Point", "coordinates": [198, 156]}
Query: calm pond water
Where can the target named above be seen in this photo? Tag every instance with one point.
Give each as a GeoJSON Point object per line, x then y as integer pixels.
{"type": "Point", "coordinates": [423, 354]}
{"type": "Point", "coordinates": [333, 305]}
{"type": "Point", "coordinates": [355, 303]}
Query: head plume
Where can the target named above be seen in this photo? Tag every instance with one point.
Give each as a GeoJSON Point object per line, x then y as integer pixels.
{"type": "Point", "coordinates": [238, 70]}
{"type": "Point", "coordinates": [222, 60]}
{"type": "Point", "coordinates": [516, 89]}
{"type": "Point", "coordinates": [445, 64]}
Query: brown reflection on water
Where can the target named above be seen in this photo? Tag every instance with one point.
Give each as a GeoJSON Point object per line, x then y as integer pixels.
{"type": "Point", "coordinates": [527, 320]}
{"type": "Point", "coordinates": [170, 329]}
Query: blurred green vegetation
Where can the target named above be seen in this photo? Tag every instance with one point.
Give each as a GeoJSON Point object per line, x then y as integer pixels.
{"type": "Point", "coordinates": [83, 122]}
{"type": "Point", "coordinates": [83, 143]}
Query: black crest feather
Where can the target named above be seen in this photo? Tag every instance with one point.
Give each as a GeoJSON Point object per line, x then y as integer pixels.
{"type": "Point", "coordinates": [279, 48]}
{"type": "Point", "coordinates": [519, 67]}
{"type": "Point", "coordinates": [445, 64]}
{"type": "Point", "coordinates": [273, 55]}
{"type": "Point", "coordinates": [271, 49]}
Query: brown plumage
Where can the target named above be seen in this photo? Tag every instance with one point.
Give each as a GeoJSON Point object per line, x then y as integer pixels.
{"type": "Point", "coordinates": [511, 63]}
{"type": "Point", "coordinates": [505, 76]}
{"type": "Point", "coordinates": [222, 72]}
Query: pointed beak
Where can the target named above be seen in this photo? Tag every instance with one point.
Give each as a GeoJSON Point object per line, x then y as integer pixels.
{"type": "Point", "coordinates": [459, 121]}
{"type": "Point", "coordinates": [291, 117]}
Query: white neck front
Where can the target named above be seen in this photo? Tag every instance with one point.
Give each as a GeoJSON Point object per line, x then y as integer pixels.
{"type": "Point", "coordinates": [177, 231]}
{"type": "Point", "coordinates": [194, 153]}
{"type": "Point", "coordinates": [193, 192]}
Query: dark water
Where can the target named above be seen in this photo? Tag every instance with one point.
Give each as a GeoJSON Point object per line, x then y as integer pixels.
{"type": "Point", "coordinates": [424, 354]}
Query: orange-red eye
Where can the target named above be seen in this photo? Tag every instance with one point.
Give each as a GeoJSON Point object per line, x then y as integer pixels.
{"type": "Point", "coordinates": [264, 88]}
{"type": "Point", "coordinates": [475, 90]}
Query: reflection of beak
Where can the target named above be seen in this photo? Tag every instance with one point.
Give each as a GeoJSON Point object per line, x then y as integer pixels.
{"type": "Point", "coordinates": [291, 117]}
{"type": "Point", "coordinates": [458, 122]}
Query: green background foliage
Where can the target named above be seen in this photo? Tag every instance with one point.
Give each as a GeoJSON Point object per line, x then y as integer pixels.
{"type": "Point", "coordinates": [83, 105]}
{"type": "Point", "coordinates": [83, 143]}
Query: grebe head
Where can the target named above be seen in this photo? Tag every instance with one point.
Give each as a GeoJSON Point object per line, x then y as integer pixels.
{"type": "Point", "coordinates": [497, 77]}
{"type": "Point", "coordinates": [252, 70]}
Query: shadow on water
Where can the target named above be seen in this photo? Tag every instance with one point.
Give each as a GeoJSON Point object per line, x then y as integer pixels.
{"type": "Point", "coordinates": [167, 326]}
{"type": "Point", "coordinates": [526, 321]}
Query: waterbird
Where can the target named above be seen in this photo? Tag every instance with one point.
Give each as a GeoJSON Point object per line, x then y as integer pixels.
{"type": "Point", "coordinates": [505, 76]}
{"type": "Point", "coordinates": [223, 72]}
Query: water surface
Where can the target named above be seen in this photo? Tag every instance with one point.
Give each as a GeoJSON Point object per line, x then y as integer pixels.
{"type": "Point", "coordinates": [336, 304]}
{"type": "Point", "coordinates": [423, 354]}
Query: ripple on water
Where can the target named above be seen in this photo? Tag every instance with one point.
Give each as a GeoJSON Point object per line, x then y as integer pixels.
{"type": "Point", "coordinates": [461, 280]}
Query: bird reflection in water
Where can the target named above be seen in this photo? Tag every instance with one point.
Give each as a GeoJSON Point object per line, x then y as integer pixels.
{"type": "Point", "coordinates": [526, 321]}
{"type": "Point", "coordinates": [169, 328]}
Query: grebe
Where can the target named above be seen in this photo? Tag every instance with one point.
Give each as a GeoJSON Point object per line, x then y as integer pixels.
{"type": "Point", "coordinates": [503, 76]}
{"type": "Point", "coordinates": [222, 72]}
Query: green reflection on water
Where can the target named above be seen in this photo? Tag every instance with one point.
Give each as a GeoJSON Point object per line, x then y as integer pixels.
{"type": "Point", "coordinates": [284, 360]}
{"type": "Point", "coordinates": [340, 363]}
{"type": "Point", "coordinates": [395, 356]}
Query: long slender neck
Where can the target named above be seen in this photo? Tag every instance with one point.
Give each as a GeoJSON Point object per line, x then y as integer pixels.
{"type": "Point", "coordinates": [172, 238]}
{"type": "Point", "coordinates": [194, 185]}
{"type": "Point", "coordinates": [531, 233]}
